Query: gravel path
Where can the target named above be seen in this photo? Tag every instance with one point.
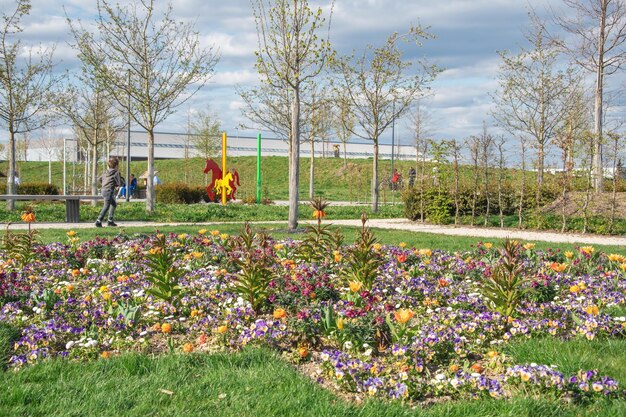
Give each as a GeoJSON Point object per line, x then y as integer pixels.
{"type": "Point", "coordinates": [398, 224]}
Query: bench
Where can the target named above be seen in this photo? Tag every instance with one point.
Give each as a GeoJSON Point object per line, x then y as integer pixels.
{"type": "Point", "coordinates": [72, 202]}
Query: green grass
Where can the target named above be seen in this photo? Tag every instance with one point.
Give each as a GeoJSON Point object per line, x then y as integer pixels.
{"type": "Point", "coordinates": [250, 383]}
{"type": "Point", "coordinates": [136, 211]}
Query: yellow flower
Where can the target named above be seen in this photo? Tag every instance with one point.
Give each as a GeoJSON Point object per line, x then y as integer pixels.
{"type": "Point", "coordinates": [75, 272]}
{"type": "Point", "coordinates": [529, 246]}
{"type": "Point", "coordinates": [377, 246]}
{"type": "Point", "coordinates": [278, 246]}
{"type": "Point", "coordinates": [403, 315]}
{"type": "Point", "coordinates": [224, 236]}
{"type": "Point", "coordinates": [492, 354]}
{"type": "Point", "coordinates": [166, 328]}
{"type": "Point", "coordinates": [215, 233]}
{"type": "Point", "coordinates": [104, 288]}
{"type": "Point", "coordinates": [574, 289]}
{"type": "Point", "coordinates": [106, 296]}
{"type": "Point", "coordinates": [69, 287]}
{"type": "Point", "coordinates": [194, 313]}
{"type": "Point", "coordinates": [188, 347]}
{"type": "Point", "coordinates": [202, 232]}
{"type": "Point", "coordinates": [197, 255]}
{"type": "Point", "coordinates": [557, 267]}
{"type": "Point", "coordinates": [569, 254]}
{"type": "Point", "coordinates": [318, 214]}
{"type": "Point", "coordinates": [592, 310]}
{"type": "Point", "coordinates": [71, 233]}
{"type": "Point", "coordinates": [622, 267]}
{"type": "Point", "coordinates": [425, 252]}
{"type": "Point", "coordinates": [222, 329]}
{"type": "Point", "coordinates": [614, 257]}
{"type": "Point", "coordinates": [280, 313]}
{"type": "Point", "coordinates": [402, 245]}
{"type": "Point", "coordinates": [488, 245]}
{"type": "Point", "coordinates": [355, 286]}
{"type": "Point", "coordinates": [105, 355]}
{"type": "Point", "coordinates": [340, 323]}
{"type": "Point", "coordinates": [183, 236]}
{"type": "Point", "coordinates": [337, 256]}
{"type": "Point", "coordinates": [587, 250]}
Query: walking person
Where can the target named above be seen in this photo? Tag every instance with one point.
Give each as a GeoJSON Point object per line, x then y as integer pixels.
{"type": "Point", "coordinates": [412, 175]}
{"type": "Point", "coordinates": [111, 179]}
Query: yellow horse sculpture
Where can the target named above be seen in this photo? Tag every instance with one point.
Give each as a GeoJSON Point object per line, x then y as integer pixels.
{"type": "Point", "coordinates": [224, 182]}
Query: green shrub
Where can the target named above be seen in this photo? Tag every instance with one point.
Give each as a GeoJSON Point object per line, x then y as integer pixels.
{"type": "Point", "coordinates": [33, 188]}
{"type": "Point", "coordinates": [438, 205]}
{"type": "Point", "coordinates": [178, 193]}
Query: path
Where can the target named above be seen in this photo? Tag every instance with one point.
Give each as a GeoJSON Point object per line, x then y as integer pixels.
{"type": "Point", "coordinates": [397, 224]}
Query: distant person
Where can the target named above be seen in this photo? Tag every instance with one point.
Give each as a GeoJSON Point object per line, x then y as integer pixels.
{"type": "Point", "coordinates": [111, 179]}
{"type": "Point", "coordinates": [395, 179]}
{"type": "Point", "coordinates": [156, 180]}
{"type": "Point", "coordinates": [133, 185]}
{"type": "Point", "coordinates": [16, 179]}
{"type": "Point", "coordinates": [412, 175]}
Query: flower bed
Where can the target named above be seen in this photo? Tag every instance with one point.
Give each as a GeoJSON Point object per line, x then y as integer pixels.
{"type": "Point", "coordinates": [375, 320]}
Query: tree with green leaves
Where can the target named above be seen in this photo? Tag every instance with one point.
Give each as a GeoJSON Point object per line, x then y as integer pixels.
{"type": "Point", "coordinates": [381, 88]}
{"type": "Point", "coordinates": [148, 62]}
{"type": "Point", "coordinates": [291, 53]}
{"type": "Point", "coordinates": [343, 124]}
{"type": "Point", "coordinates": [205, 128]}
{"type": "Point", "coordinates": [27, 84]}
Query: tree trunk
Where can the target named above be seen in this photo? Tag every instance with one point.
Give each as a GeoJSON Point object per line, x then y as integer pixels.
{"type": "Point", "coordinates": [540, 162]}
{"type": "Point", "coordinates": [597, 125]}
{"type": "Point", "coordinates": [312, 172]}
{"type": "Point", "coordinates": [345, 156]}
{"type": "Point", "coordinates": [11, 169]}
{"type": "Point", "coordinates": [150, 191]}
{"type": "Point", "coordinates": [294, 161]}
{"type": "Point", "coordinates": [375, 179]}
{"type": "Point", "coordinates": [94, 173]}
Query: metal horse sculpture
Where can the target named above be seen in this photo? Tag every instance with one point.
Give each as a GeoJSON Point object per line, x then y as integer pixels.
{"type": "Point", "coordinates": [229, 182]}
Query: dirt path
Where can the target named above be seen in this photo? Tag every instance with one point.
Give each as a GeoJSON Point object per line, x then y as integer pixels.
{"type": "Point", "coordinates": [397, 224]}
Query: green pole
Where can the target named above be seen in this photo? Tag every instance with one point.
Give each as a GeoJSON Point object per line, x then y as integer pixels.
{"type": "Point", "coordinates": [258, 168]}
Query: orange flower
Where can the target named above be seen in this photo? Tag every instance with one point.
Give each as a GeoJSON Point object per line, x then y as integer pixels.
{"type": "Point", "coordinates": [105, 355]}
{"type": "Point", "coordinates": [614, 257]}
{"type": "Point", "coordinates": [557, 267]}
{"type": "Point", "coordinates": [622, 267]}
{"type": "Point", "coordinates": [202, 339]}
{"type": "Point", "coordinates": [488, 245]}
{"type": "Point", "coordinates": [476, 367]}
{"type": "Point", "coordinates": [222, 329]}
{"type": "Point", "coordinates": [403, 315]}
{"type": "Point", "coordinates": [355, 286]}
{"type": "Point", "coordinates": [303, 352]}
{"type": "Point", "coordinates": [587, 250]}
{"type": "Point", "coordinates": [319, 214]}
{"type": "Point", "coordinates": [492, 354]}
{"type": "Point", "coordinates": [28, 217]}
{"type": "Point", "coordinates": [337, 256]}
{"type": "Point", "coordinates": [157, 327]}
{"type": "Point", "coordinates": [453, 368]}
{"type": "Point", "coordinates": [592, 310]}
{"type": "Point", "coordinates": [401, 258]}
{"type": "Point", "coordinates": [215, 233]}
{"type": "Point", "coordinates": [280, 313]}
{"type": "Point", "coordinates": [166, 328]}
{"type": "Point", "coordinates": [75, 272]}
{"type": "Point", "coordinates": [529, 246]}
{"type": "Point", "coordinates": [574, 289]}
{"type": "Point", "coordinates": [69, 287]}
{"type": "Point", "coordinates": [442, 282]}
{"type": "Point", "coordinates": [71, 233]}
{"type": "Point", "coordinates": [188, 347]}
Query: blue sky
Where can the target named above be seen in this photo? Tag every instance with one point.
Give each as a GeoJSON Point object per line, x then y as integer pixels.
{"type": "Point", "coordinates": [469, 33]}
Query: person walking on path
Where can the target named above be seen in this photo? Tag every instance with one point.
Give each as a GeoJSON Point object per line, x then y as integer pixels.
{"type": "Point", "coordinates": [111, 179]}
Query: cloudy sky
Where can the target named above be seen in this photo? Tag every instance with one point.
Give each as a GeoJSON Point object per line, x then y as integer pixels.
{"type": "Point", "coordinates": [469, 32]}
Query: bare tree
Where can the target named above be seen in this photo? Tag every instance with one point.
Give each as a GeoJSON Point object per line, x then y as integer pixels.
{"type": "Point", "coordinates": [599, 34]}
{"type": "Point", "coordinates": [616, 142]}
{"type": "Point", "coordinates": [499, 143]}
{"type": "Point", "coordinates": [290, 54]}
{"type": "Point", "coordinates": [485, 143]}
{"type": "Point", "coordinates": [533, 94]}
{"type": "Point", "coordinates": [381, 89]}
{"type": "Point", "coordinates": [53, 146]}
{"type": "Point", "coordinates": [204, 128]}
{"type": "Point", "coordinates": [343, 124]}
{"type": "Point", "coordinates": [149, 57]}
{"type": "Point", "coordinates": [91, 111]}
{"type": "Point", "coordinates": [455, 151]}
{"type": "Point", "coordinates": [523, 142]}
{"type": "Point", "coordinates": [473, 143]}
{"type": "Point", "coordinates": [26, 84]}
{"type": "Point", "coordinates": [321, 124]}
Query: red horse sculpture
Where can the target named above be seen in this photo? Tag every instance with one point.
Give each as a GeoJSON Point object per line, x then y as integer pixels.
{"type": "Point", "coordinates": [216, 174]}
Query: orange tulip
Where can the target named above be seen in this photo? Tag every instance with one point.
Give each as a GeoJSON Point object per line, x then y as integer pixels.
{"type": "Point", "coordinates": [280, 313]}
{"type": "Point", "coordinates": [188, 347]}
{"type": "Point", "coordinates": [166, 328]}
{"type": "Point", "coordinates": [403, 315]}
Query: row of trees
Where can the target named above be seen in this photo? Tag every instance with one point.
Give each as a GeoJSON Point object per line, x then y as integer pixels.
{"type": "Point", "coordinates": [136, 61]}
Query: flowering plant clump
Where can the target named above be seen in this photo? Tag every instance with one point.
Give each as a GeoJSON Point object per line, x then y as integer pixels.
{"type": "Point", "coordinates": [375, 320]}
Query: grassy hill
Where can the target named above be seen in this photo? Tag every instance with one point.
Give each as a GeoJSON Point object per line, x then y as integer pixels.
{"type": "Point", "coordinates": [332, 180]}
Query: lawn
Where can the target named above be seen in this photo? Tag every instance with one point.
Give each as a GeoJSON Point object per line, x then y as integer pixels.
{"type": "Point", "coordinates": [224, 322]}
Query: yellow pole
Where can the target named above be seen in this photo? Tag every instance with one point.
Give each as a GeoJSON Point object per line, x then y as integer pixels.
{"type": "Point", "coordinates": [223, 167]}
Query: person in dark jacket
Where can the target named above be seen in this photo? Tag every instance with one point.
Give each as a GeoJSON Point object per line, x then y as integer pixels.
{"type": "Point", "coordinates": [111, 179]}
